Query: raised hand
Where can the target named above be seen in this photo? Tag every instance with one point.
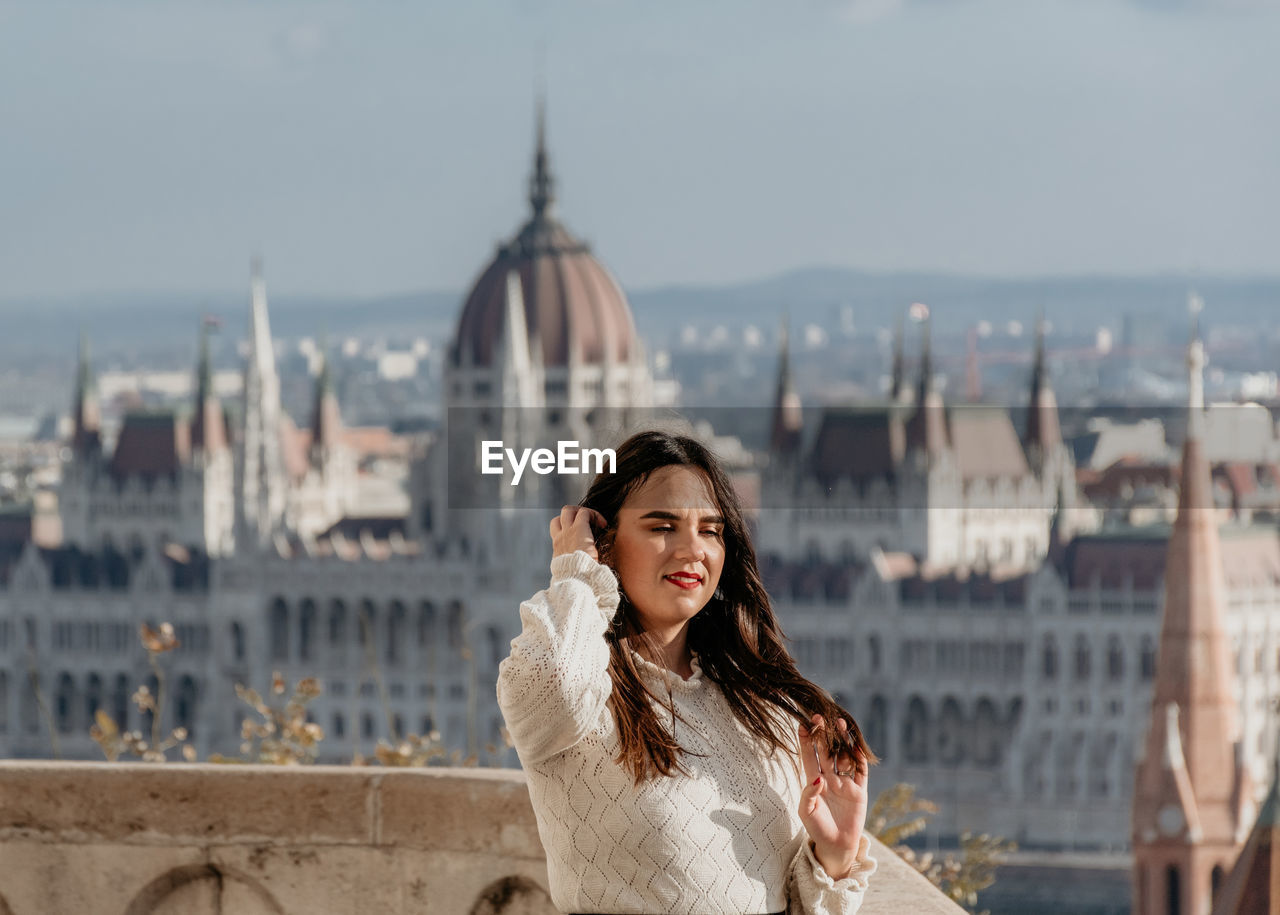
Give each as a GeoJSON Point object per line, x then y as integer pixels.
{"type": "Point", "coordinates": [833, 804]}
{"type": "Point", "coordinates": [571, 531]}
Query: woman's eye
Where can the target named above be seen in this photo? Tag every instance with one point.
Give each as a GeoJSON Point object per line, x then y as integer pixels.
{"type": "Point", "coordinates": [712, 533]}
{"type": "Point", "coordinates": [665, 529]}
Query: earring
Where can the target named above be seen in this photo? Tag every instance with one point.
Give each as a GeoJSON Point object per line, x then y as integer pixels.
{"type": "Point", "coordinates": [719, 593]}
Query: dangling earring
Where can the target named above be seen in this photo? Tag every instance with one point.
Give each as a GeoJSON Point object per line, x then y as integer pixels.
{"type": "Point", "coordinates": [719, 593]}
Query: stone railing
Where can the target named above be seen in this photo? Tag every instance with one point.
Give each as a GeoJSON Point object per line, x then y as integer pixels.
{"type": "Point", "coordinates": [136, 839]}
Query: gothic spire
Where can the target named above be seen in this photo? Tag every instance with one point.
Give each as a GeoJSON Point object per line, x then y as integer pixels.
{"type": "Point", "coordinates": [784, 438]}
{"type": "Point", "coordinates": [87, 437]}
{"type": "Point", "coordinates": [898, 376]}
{"type": "Point", "coordinates": [927, 428]}
{"type": "Point", "coordinates": [541, 183]}
{"type": "Point", "coordinates": [261, 491]}
{"type": "Point", "coordinates": [208, 428]}
{"type": "Point", "coordinates": [326, 417]}
{"type": "Point", "coordinates": [1191, 787]}
{"type": "Point", "coordinates": [1043, 431]}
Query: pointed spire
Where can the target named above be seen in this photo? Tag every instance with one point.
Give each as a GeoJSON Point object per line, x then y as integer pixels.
{"type": "Point", "coordinates": [541, 183]}
{"type": "Point", "coordinates": [788, 422]}
{"type": "Point", "coordinates": [1195, 369]}
{"type": "Point", "coordinates": [924, 385]}
{"type": "Point", "coordinates": [326, 416]}
{"type": "Point", "coordinates": [1195, 673]}
{"type": "Point", "coordinates": [927, 428]}
{"type": "Point", "coordinates": [1044, 434]}
{"type": "Point", "coordinates": [517, 365]}
{"type": "Point", "coordinates": [204, 370]}
{"type": "Point", "coordinates": [898, 376]}
{"type": "Point", "coordinates": [261, 483]}
{"type": "Point", "coordinates": [208, 427]}
{"type": "Point", "coordinates": [87, 435]}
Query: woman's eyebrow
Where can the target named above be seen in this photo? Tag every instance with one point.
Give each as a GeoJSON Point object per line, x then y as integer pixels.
{"type": "Point", "coordinates": [660, 515]}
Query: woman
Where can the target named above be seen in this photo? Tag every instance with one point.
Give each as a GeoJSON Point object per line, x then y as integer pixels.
{"type": "Point", "coordinates": [662, 724]}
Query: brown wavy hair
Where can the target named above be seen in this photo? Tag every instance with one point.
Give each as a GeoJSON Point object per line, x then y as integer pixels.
{"type": "Point", "coordinates": [736, 635]}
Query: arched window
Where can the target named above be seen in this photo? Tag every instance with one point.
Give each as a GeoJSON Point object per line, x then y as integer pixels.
{"type": "Point", "coordinates": [987, 740]}
{"type": "Point", "coordinates": [237, 642]}
{"type": "Point", "coordinates": [65, 704]}
{"type": "Point", "coordinates": [337, 630]}
{"type": "Point", "coordinates": [1084, 662]}
{"type": "Point", "coordinates": [1173, 890]}
{"type": "Point", "coordinates": [120, 701]}
{"type": "Point", "coordinates": [185, 704]}
{"type": "Point", "coordinates": [279, 630]}
{"type": "Point", "coordinates": [396, 624]}
{"type": "Point", "coordinates": [28, 706]}
{"type": "Point", "coordinates": [92, 697]}
{"type": "Point", "coordinates": [339, 726]}
{"type": "Point", "coordinates": [915, 732]}
{"type": "Point", "coordinates": [366, 623]}
{"type": "Point", "coordinates": [951, 729]}
{"type": "Point", "coordinates": [873, 647]}
{"type": "Point", "coordinates": [1115, 658]}
{"type": "Point", "coordinates": [1049, 658]}
{"type": "Point", "coordinates": [397, 724]}
{"type": "Point", "coordinates": [366, 726]}
{"type": "Point", "coordinates": [457, 619]}
{"type": "Point", "coordinates": [1147, 664]}
{"type": "Point", "coordinates": [426, 624]}
{"type": "Point", "coordinates": [306, 630]}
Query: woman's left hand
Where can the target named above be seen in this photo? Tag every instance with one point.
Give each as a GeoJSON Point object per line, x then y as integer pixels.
{"type": "Point", "coordinates": [833, 804]}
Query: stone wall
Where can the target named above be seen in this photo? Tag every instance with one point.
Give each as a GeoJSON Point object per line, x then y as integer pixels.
{"type": "Point", "coordinates": [136, 839]}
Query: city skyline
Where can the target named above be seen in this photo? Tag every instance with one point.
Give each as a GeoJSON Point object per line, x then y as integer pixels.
{"type": "Point", "coordinates": [369, 153]}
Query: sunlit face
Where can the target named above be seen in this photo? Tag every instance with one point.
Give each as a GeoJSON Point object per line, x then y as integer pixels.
{"type": "Point", "coordinates": [668, 548]}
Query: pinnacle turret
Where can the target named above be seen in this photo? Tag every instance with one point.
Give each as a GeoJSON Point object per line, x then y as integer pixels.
{"type": "Point", "coordinates": [787, 426]}
{"type": "Point", "coordinates": [542, 188]}
{"type": "Point", "coordinates": [86, 438]}
{"type": "Point", "coordinates": [1191, 786]}
{"type": "Point", "coordinates": [1044, 434]}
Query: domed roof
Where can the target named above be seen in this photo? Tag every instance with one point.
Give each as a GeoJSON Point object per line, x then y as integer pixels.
{"type": "Point", "coordinates": [571, 302]}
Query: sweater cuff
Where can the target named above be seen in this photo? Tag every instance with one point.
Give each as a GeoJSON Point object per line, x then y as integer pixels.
{"type": "Point", "coordinates": [864, 866]}
{"type": "Point", "coordinates": [597, 576]}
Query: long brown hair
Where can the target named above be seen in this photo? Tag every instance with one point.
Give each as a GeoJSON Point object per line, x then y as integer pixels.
{"type": "Point", "coordinates": [736, 635]}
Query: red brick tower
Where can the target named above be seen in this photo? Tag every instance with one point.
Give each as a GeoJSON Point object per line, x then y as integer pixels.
{"type": "Point", "coordinates": [1191, 789]}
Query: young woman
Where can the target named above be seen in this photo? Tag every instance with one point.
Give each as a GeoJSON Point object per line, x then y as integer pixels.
{"type": "Point", "coordinates": [677, 760]}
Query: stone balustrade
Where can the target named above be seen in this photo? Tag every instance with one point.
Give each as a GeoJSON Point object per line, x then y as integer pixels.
{"type": "Point", "coordinates": [137, 839]}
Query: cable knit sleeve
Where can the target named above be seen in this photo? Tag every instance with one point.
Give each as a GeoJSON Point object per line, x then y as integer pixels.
{"type": "Point", "coordinates": [812, 891]}
{"type": "Point", "coordinates": [553, 686]}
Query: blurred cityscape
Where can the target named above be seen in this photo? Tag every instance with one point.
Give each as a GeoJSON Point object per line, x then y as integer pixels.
{"type": "Point", "coordinates": [969, 523]}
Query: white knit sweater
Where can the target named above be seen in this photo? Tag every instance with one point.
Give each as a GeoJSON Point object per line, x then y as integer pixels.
{"type": "Point", "coordinates": [726, 839]}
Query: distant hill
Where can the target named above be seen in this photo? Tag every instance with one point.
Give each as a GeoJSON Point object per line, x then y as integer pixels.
{"type": "Point", "coordinates": [815, 294]}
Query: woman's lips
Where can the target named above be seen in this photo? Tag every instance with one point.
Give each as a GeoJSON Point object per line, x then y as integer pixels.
{"type": "Point", "coordinates": [686, 582]}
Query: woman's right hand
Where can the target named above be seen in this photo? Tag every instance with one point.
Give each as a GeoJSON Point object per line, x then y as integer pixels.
{"type": "Point", "coordinates": [572, 530]}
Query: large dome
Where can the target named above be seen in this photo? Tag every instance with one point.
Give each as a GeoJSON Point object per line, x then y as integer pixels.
{"type": "Point", "coordinates": [572, 304]}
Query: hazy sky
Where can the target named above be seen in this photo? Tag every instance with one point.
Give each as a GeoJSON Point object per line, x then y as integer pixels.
{"type": "Point", "coordinates": [384, 145]}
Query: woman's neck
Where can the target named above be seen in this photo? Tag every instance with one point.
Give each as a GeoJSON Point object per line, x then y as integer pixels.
{"type": "Point", "coordinates": [672, 649]}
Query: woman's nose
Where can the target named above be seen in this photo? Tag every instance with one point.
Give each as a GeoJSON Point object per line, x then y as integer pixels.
{"type": "Point", "coordinates": [689, 545]}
